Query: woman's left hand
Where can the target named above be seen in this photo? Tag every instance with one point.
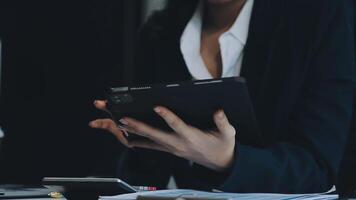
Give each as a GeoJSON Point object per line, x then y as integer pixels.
{"type": "Point", "coordinates": [212, 149]}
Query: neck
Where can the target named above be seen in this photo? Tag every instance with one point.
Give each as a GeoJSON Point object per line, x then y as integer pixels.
{"type": "Point", "coordinates": [222, 16]}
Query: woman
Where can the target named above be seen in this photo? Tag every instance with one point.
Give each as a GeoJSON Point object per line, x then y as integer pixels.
{"type": "Point", "coordinates": [297, 57]}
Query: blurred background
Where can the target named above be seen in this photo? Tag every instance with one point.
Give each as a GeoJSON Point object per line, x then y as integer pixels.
{"type": "Point", "coordinates": [57, 58]}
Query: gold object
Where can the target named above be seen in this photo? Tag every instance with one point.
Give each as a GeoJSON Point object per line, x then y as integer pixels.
{"type": "Point", "coordinates": [55, 195]}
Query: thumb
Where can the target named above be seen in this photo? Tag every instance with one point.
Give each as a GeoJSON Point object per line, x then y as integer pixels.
{"type": "Point", "coordinates": [223, 124]}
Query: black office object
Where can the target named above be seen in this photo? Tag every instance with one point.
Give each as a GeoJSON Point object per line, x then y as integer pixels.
{"type": "Point", "coordinates": [193, 101]}
{"type": "Point", "coordinates": [22, 191]}
{"type": "Point", "coordinates": [89, 188]}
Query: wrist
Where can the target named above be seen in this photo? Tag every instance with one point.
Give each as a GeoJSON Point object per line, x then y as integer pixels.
{"type": "Point", "coordinates": [225, 162]}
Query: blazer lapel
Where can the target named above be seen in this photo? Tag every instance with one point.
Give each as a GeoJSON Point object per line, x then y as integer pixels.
{"type": "Point", "coordinates": [256, 64]}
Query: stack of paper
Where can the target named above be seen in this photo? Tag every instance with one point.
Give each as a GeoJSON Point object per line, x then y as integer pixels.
{"type": "Point", "coordinates": [192, 194]}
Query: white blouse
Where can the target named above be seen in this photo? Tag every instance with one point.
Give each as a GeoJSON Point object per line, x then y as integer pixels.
{"type": "Point", "coordinates": [231, 43]}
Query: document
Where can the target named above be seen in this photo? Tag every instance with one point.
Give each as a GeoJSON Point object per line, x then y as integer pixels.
{"type": "Point", "coordinates": [193, 194]}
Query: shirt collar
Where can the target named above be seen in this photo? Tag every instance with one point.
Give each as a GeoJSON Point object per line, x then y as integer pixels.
{"type": "Point", "coordinates": [190, 39]}
{"type": "Point", "coordinates": [240, 28]}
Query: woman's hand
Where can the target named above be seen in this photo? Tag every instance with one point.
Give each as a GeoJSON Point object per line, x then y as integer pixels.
{"type": "Point", "coordinates": [212, 149]}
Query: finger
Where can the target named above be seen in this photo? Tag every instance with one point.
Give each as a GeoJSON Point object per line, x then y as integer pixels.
{"type": "Point", "coordinates": [101, 105]}
{"type": "Point", "coordinates": [109, 125]}
{"type": "Point", "coordinates": [106, 124]}
{"type": "Point", "coordinates": [172, 120]}
{"type": "Point", "coordinates": [128, 129]}
{"type": "Point", "coordinates": [147, 144]}
{"type": "Point", "coordinates": [223, 124]}
{"type": "Point", "coordinates": [147, 131]}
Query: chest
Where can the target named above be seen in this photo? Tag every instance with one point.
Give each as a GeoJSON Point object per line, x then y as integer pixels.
{"type": "Point", "coordinates": [275, 70]}
{"type": "Point", "coordinates": [210, 51]}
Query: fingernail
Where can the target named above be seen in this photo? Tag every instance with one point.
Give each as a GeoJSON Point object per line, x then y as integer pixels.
{"type": "Point", "coordinates": [126, 133]}
{"type": "Point", "coordinates": [121, 127]}
{"type": "Point", "coordinates": [157, 109]}
{"type": "Point", "coordinates": [92, 124]}
{"type": "Point", "coordinates": [95, 102]}
{"type": "Point", "coordinates": [123, 121]}
{"type": "Point", "coordinates": [221, 114]}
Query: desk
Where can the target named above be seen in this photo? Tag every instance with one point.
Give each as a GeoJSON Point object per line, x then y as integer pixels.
{"type": "Point", "coordinates": [42, 199]}
{"type": "Point", "coordinates": [41, 191]}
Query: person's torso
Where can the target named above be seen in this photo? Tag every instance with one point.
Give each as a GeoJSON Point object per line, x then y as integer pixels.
{"type": "Point", "coordinates": [276, 64]}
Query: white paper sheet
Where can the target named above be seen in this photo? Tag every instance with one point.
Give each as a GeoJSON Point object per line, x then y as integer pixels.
{"type": "Point", "coordinates": [228, 196]}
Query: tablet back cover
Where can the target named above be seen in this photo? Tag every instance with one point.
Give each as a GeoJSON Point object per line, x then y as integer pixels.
{"type": "Point", "coordinates": [194, 102]}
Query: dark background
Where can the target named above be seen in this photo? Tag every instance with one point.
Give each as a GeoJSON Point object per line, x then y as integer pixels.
{"type": "Point", "coordinates": [58, 57]}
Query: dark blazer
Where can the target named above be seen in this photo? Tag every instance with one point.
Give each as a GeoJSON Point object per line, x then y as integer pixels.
{"type": "Point", "coordinates": [347, 175]}
{"type": "Point", "coordinates": [299, 65]}
{"type": "Point", "coordinates": [346, 185]}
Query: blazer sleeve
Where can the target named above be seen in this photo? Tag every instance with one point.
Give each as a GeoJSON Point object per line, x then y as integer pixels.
{"type": "Point", "coordinates": [321, 123]}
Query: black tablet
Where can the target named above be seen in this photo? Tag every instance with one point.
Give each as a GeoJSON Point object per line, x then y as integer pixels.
{"type": "Point", "coordinates": [194, 102]}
